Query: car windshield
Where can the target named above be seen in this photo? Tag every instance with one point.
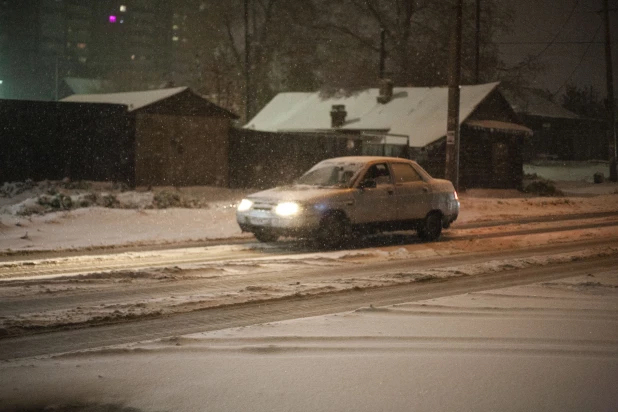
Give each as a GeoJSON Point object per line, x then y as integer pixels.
{"type": "Point", "coordinates": [329, 175]}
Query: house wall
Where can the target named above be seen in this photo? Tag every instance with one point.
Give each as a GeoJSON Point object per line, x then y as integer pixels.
{"type": "Point", "coordinates": [181, 150]}
{"type": "Point", "coordinates": [491, 159]}
{"type": "Point", "coordinates": [487, 159]}
{"type": "Point", "coordinates": [262, 159]}
{"type": "Point", "coordinates": [566, 139]}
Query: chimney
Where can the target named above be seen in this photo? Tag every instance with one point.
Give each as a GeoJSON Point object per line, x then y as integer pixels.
{"type": "Point", "coordinates": [386, 91]}
{"type": "Point", "coordinates": [337, 115]}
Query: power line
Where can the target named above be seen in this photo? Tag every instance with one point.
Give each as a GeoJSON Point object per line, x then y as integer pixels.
{"type": "Point", "coordinates": [579, 63]}
{"type": "Point", "coordinates": [553, 40]}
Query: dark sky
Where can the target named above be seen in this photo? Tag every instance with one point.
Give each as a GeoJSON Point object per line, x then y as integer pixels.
{"type": "Point", "coordinates": [564, 21]}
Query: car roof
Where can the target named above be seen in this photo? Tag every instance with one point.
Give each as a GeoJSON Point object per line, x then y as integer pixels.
{"type": "Point", "coordinates": [365, 159]}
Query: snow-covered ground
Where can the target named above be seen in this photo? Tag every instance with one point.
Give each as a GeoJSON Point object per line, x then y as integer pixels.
{"type": "Point", "coordinates": [558, 170]}
{"type": "Point", "coordinates": [30, 220]}
{"type": "Point", "coordinates": [549, 346]}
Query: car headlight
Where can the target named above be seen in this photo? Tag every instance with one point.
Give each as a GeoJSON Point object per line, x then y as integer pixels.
{"type": "Point", "coordinates": [244, 205]}
{"type": "Point", "coordinates": [287, 209]}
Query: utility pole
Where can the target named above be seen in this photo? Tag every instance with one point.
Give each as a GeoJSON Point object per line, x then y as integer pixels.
{"type": "Point", "coordinates": [477, 54]}
{"type": "Point", "coordinates": [247, 66]}
{"type": "Point", "coordinates": [56, 78]}
{"type": "Point", "coordinates": [452, 123]}
{"type": "Point", "coordinates": [611, 120]}
{"type": "Point", "coordinates": [382, 51]}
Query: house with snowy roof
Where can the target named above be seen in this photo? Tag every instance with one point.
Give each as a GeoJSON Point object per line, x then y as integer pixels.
{"type": "Point", "coordinates": [410, 122]}
{"type": "Point", "coordinates": [157, 137]}
{"type": "Point", "coordinates": [559, 133]}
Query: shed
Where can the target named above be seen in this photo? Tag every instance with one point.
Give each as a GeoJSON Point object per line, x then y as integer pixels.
{"type": "Point", "coordinates": [179, 137]}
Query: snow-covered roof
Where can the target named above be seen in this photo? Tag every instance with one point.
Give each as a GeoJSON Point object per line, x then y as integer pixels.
{"type": "Point", "coordinates": [532, 102]}
{"type": "Point", "coordinates": [417, 112]}
{"type": "Point", "coordinates": [133, 100]}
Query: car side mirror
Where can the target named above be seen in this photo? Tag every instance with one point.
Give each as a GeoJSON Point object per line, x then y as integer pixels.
{"type": "Point", "coordinates": [367, 184]}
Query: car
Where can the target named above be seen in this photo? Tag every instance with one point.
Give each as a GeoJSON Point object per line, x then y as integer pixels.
{"type": "Point", "coordinates": [340, 197]}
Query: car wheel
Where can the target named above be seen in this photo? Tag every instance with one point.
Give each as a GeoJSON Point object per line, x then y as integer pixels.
{"type": "Point", "coordinates": [264, 235]}
{"type": "Point", "coordinates": [431, 228]}
{"type": "Point", "coordinates": [334, 231]}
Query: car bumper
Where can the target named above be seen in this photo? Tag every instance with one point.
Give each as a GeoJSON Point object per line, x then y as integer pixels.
{"type": "Point", "coordinates": [253, 220]}
{"type": "Point", "coordinates": [450, 213]}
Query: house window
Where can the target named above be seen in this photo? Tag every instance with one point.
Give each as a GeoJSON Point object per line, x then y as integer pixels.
{"type": "Point", "coordinates": [123, 8]}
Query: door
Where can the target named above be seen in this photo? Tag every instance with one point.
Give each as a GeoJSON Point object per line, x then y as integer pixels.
{"type": "Point", "coordinates": [375, 204]}
{"type": "Point", "coordinates": [501, 165]}
{"type": "Point", "coordinates": [412, 192]}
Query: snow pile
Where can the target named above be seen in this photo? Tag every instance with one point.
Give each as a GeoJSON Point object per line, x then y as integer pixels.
{"type": "Point", "coordinates": [30, 198]}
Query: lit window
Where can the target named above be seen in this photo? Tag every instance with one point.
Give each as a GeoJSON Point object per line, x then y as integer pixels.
{"type": "Point", "coordinates": [175, 38]}
{"type": "Point", "coordinates": [112, 19]}
{"type": "Point", "coordinates": [175, 27]}
{"type": "Point", "coordinates": [123, 8]}
{"type": "Point", "coordinates": [132, 57]}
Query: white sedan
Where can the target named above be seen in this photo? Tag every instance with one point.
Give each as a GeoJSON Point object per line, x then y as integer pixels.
{"type": "Point", "coordinates": [345, 195]}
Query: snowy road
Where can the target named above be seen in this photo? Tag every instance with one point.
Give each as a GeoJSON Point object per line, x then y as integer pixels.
{"type": "Point", "coordinates": [64, 264]}
{"type": "Point", "coordinates": [173, 292]}
{"type": "Point", "coordinates": [251, 313]}
{"type": "Point", "coordinates": [511, 317]}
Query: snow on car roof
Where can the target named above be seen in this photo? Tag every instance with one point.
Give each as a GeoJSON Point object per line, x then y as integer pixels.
{"type": "Point", "coordinates": [417, 112]}
{"type": "Point", "coordinates": [364, 159]}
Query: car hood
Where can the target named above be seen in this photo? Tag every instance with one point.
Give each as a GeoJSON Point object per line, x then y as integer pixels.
{"type": "Point", "coordinates": [298, 193]}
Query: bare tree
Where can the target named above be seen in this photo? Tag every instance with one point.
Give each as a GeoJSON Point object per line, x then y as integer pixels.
{"type": "Point", "coordinates": [417, 37]}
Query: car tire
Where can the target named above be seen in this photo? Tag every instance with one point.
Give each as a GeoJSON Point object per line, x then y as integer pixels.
{"type": "Point", "coordinates": [265, 235]}
{"type": "Point", "coordinates": [431, 228]}
{"type": "Point", "coordinates": [334, 231]}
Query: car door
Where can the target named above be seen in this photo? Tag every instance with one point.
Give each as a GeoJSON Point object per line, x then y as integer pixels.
{"type": "Point", "coordinates": [413, 194]}
{"type": "Point", "coordinates": [375, 204]}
